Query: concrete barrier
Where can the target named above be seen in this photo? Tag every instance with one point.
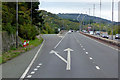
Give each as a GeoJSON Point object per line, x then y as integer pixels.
{"type": "Point", "coordinates": [115, 43]}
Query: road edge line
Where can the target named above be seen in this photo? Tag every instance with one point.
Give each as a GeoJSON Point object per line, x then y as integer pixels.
{"type": "Point", "coordinates": [26, 71]}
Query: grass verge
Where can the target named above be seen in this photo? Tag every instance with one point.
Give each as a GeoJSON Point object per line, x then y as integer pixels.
{"type": "Point", "coordinates": [0, 59]}
{"type": "Point", "coordinates": [16, 52]}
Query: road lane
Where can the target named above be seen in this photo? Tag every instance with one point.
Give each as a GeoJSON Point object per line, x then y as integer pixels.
{"type": "Point", "coordinates": [84, 62]}
{"type": "Point", "coordinates": [105, 57]}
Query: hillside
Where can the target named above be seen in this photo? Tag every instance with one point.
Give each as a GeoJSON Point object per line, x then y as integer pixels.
{"type": "Point", "coordinates": [87, 18]}
{"type": "Point", "coordinates": [52, 23]}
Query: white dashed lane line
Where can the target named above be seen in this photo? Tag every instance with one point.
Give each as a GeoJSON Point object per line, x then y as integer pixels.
{"type": "Point", "coordinates": [32, 73]}
{"type": "Point", "coordinates": [86, 52]}
{"type": "Point", "coordinates": [83, 48]}
{"type": "Point", "coordinates": [97, 67]}
{"type": "Point", "coordinates": [38, 66]}
{"type": "Point", "coordinates": [35, 69]}
{"type": "Point", "coordinates": [90, 58]}
{"type": "Point", "coordinates": [29, 76]}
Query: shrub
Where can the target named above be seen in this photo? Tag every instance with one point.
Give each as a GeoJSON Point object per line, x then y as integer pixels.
{"type": "Point", "coordinates": [27, 31]}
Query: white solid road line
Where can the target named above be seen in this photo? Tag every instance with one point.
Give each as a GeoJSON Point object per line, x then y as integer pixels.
{"type": "Point", "coordinates": [97, 67]}
{"type": "Point", "coordinates": [26, 71]}
{"type": "Point", "coordinates": [100, 42]}
{"type": "Point", "coordinates": [60, 41]}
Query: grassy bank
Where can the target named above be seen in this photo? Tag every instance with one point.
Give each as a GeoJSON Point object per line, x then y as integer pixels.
{"type": "Point", "coordinates": [16, 52]}
{"type": "Point", "coordinates": [0, 59]}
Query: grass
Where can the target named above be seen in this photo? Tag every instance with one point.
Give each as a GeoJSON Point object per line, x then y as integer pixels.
{"type": "Point", "coordinates": [0, 59]}
{"type": "Point", "coordinates": [16, 52]}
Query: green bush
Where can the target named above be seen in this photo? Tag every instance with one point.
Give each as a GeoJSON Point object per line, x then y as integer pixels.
{"type": "Point", "coordinates": [9, 28]}
{"type": "Point", "coordinates": [27, 31]}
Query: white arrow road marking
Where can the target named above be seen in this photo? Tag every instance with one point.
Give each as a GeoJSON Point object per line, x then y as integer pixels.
{"type": "Point", "coordinates": [58, 56]}
{"type": "Point", "coordinates": [68, 59]}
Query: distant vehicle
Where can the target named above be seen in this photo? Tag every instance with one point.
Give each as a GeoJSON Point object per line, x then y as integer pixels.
{"type": "Point", "coordinates": [91, 32]}
{"type": "Point", "coordinates": [72, 30]}
{"type": "Point", "coordinates": [105, 36]}
{"type": "Point", "coordinates": [69, 32]}
{"type": "Point", "coordinates": [97, 32]}
{"type": "Point", "coordinates": [84, 31]}
{"type": "Point", "coordinates": [77, 31]}
{"type": "Point", "coordinates": [117, 36]}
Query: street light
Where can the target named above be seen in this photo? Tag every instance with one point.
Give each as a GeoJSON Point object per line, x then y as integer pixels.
{"type": "Point", "coordinates": [81, 21]}
{"type": "Point", "coordinates": [16, 23]}
{"type": "Point", "coordinates": [31, 12]}
{"type": "Point", "coordinates": [112, 16]}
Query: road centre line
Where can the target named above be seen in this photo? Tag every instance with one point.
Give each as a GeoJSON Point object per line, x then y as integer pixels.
{"type": "Point", "coordinates": [26, 71]}
{"type": "Point", "coordinates": [60, 41]}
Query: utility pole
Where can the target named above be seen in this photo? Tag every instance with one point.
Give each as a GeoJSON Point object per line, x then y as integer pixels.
{"type": "Point", "coordinates": [16, 23]}
{"type": "Point", "coordinates": [100, 15]}
{"type": "Point", "coordinates": [93, 14]}
{"type": "Point", "coordinates": [31, 12]}
{"type": "Point", "coordinates": [112, 16]}
{"type": "Point", "coordinates": [93, 9]}
{"type": "Point", "coordinates": [89, 17]}
{"type": "Point", "coordinates": [79, 22]}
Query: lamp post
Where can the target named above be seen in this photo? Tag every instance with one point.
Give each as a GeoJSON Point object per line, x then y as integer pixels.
{"type": "Point", "coordinates": [100, 15]}
{"type": "Point", "coordinates": [31, 12]}
{"type": "Point", "coordinates": [16, 23]}
{"type": "Point", "coordinates": [112, 16]}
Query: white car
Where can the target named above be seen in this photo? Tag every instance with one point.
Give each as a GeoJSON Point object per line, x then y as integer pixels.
{"type": "Point", "coordinates": [69, 32]}
{"type": "Point", "coordinates": [91, 32]}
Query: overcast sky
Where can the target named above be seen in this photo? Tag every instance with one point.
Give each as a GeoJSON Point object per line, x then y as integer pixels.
{"type": "Point", "coordinates": [81, 6]}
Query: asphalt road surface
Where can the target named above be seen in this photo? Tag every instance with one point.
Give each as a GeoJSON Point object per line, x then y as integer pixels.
{"type": "Point", "coordinates": [89, 59]}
